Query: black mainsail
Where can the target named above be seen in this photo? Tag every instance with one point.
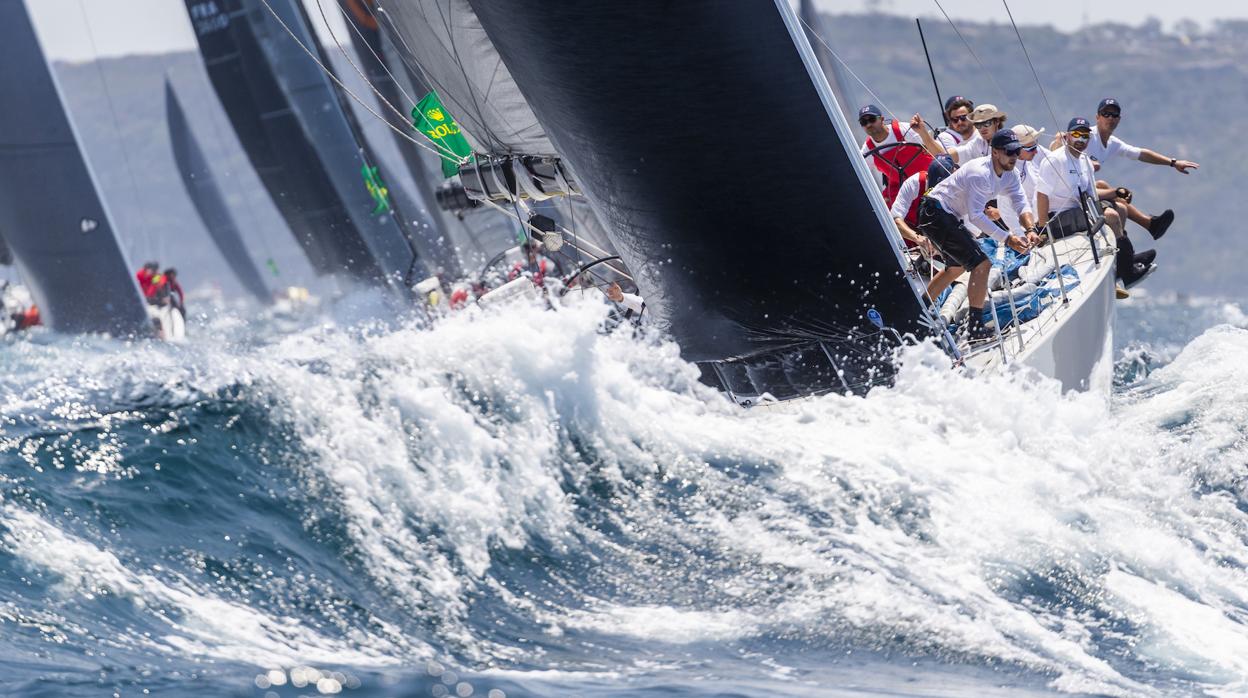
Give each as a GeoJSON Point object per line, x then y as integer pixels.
{"type": "Point", "coordinates": [201, 186]}
{"type": "Point", "coordinates": [707, 142]}
{"type": "Point", "coordinates": [246, 51]}
{"type": "Point", "coordinates": [51, 213]}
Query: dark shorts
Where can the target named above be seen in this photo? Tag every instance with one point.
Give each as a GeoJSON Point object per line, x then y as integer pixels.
{"type": "Point", "coordinates": [1062, 224]}
{"type": "Point", "coordinates": [955, 242]}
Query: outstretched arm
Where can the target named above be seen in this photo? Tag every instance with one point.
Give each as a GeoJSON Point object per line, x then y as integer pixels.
{"type": "Point", "coordinates": [1152, 157]}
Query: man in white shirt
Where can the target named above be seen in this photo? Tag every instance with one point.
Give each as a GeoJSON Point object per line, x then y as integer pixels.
{"type": "Point", "coordinates": [958, 120]}
{"type": "Point", "coordinates": [1029, 160]}
{"type": "Point", "coordinates": [960, 200]}
{"type": "Point", "coordinates": [1104, 147]}
{"type": "Point", "coordinates": [986, 120]}
{"type": "Point", "coordinates": [1065, 178]}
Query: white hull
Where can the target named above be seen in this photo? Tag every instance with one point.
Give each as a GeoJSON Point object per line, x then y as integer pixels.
{"type": "Point", "coordinates": [1070, 341]}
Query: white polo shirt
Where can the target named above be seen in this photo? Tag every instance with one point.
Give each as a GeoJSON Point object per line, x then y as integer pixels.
{"type": "Point", "coordinates": [1028, 171]}
{"type": "Point", "coordinates": [1062, 177]}
{"type": "Point", "coordinates": [965, 193]}
{"type": "Point", "coordinates": [952, 139]}
{"type": "Point", "coordinates": [973, 147]}
{"type": "Point", "coordinates": [1116, 147]}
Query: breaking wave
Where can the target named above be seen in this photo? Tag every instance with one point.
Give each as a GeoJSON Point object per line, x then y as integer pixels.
{"type": "Point", "coordinates": [524, 504]}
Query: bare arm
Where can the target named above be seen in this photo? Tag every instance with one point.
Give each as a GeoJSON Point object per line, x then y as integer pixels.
{"type": "Point", "coordinates": [1152, 157]}
{"type": "Point", "coordinates": [933, 146]}
{"type": "Point", "coordinates": [1042, 206]}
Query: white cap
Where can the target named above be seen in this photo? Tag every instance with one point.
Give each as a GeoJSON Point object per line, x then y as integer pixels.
{"type": "Point", "coordinates": [985, 112]}
{"type": "Point", "coordinates": [1026, 134]}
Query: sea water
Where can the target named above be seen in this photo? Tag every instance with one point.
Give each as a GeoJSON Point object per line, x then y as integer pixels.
{"type": "Point", "coordinates": [516, 503]}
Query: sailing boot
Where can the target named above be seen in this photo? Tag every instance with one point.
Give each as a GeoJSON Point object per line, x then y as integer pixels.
{"type": "Point", "coordinates": [976, 331]}
{"type": "Point", "coordinates": [1125, 257]}
{"type": "Point", "coordinates": [1158, 224]}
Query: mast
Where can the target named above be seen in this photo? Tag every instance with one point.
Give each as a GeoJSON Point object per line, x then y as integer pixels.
{"type": "Point", "coordinates": [740, 202]}
{"type": "Point", "coordinates": [202, 187]}
{"type": "Point", "coordinates": [51, 212]}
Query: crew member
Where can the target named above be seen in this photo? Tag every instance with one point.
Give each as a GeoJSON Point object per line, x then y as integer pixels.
{"type": "Point", "coordinates": [145, 275]}
{"type": "Point", "coordinates": [900, 162]}
{"type": "Point", "coordinates": [1066, 177]}
{"type": "Point", "coordinates": [539, 265]}
{"type": "Point", "coordinates": [961, 199]}
{"type": "Point", "coordinates": [905, 209]}
{"type": "Point", "coordinates": [1105, 146]}
{"type": "Point", "coordinates": [987, 120]}
{"type": "Point", "coordinates": [958, 119]}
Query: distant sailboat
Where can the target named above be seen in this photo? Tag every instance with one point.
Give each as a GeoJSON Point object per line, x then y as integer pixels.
{"type": "Point", "coordinates": [51, 214]}
{"type": "Point", "coordinates": [201, 186]}
{"type": "Point", "coordinates": [293, 129]}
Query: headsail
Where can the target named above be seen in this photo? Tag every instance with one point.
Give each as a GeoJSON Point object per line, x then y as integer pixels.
{"type": "Point", "coordinates": [730, 189]}
{"type": "Point", "coordinates": [51, 213]}
{"type": "Point", "coordinates": [202, 187]}
{"type": "Point", "coordinates": [444, 47]}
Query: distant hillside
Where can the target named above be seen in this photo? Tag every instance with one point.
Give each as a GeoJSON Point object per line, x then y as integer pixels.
{"type": "Point", "coordinates": [1183, 95]}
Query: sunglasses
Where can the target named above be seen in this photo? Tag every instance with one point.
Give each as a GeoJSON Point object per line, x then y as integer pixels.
{"type": "Point", "coordinates": [959, 119]}
{"type": "Point", "coordinates": [1079, 136]}
{"type": "Point", "coordinates": [1110, 114]}
{"type": "Point", "coordinates": [984, 124]}
{"type": "Point", "coordinates": [1030, 148]}
{"type": "Point", "coordinates": [868, 120]}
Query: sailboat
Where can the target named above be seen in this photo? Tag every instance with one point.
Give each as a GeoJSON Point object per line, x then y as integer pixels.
{"type": "Point", "coordinates": [51, 213]}
{"type": "Point", "coordinates": [303, 145]}
{"type": "Point", "coordinates": [733, 188]}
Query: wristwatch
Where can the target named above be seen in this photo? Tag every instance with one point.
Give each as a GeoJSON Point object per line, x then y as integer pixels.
{"type": "Point", "coordinates": [1173, 161]}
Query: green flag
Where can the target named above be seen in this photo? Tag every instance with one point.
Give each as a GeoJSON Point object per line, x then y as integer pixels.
{"type": "Point", "coordinates": [377, 189]}
{"type": "Point", "coordinates": [431, 118]}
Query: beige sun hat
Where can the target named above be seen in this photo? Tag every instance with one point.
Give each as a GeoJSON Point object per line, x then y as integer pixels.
{"type": "Point", "coordinates": [1026, 134]}
{"type": "Point", "coordinates": [985, 112]}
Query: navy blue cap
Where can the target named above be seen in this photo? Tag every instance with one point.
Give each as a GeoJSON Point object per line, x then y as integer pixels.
{"type": "Point", "coordinates": [869, 110]}
{"type": "Point", "coordinates": [1006, 140]}
{"type": "Point", "coordinates": [1109, 102]}
{"type": "Point", "coordinates": [942, 166]}
{"type": "Point", "coordinates": [956, 98]}
{"type": "Point", "coordinates": [1078, 124]}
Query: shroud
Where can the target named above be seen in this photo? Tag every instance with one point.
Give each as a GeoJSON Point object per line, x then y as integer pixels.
{"type": "Point", "coordinates": [51, 213]}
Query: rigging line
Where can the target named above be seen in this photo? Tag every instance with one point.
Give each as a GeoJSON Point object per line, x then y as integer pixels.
{"type": "Point", "coordinates": [459, 63]}
{"type": "Point", "coordinates": [347, 90]}
{"type": "Point", "coordinates": [852, 74]}
{"type": "Point", "coordinates": [967, 44]}
{"type": "Point", "coordinates": [380, 61]}
{"type": "Point", "coordinates": [321, 8]}
{"type": "Point", "coordinates": [125, 152]}
{"type": "Point", "coordinates": [480, 124]}
{"type": "Point", "coordinates": [1034, 74]}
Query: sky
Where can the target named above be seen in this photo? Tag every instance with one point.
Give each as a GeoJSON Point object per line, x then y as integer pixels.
{"type": "Point", "coordinates": [78, 30]}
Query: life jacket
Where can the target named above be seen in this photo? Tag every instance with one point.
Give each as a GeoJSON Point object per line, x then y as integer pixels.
{"type": "Point", "coordinates": [899, 162]}
{"type": "Point", "coordinates": [145, 281]}
{"type": "Point", "coordinates": [912, 216]}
